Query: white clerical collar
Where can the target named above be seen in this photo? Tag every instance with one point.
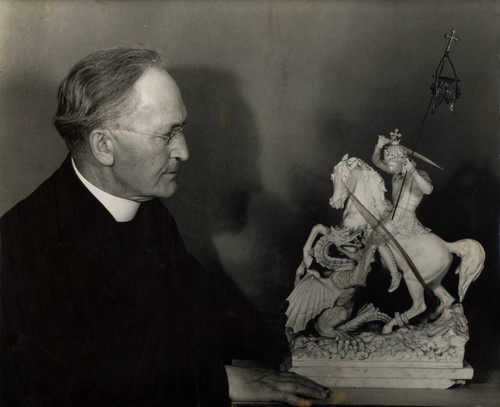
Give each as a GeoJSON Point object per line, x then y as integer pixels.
{"type": "Point", "coordinates": [122, 210]}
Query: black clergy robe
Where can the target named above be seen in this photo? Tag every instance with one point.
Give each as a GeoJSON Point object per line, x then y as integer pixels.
{"type": "Point", "coordinates": [100, 313]}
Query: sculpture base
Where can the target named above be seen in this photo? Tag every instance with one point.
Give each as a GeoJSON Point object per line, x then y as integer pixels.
{"type": "Point", "coordinates": [424, 356]}
{"type": "Point", "coordinates": [405, 376]}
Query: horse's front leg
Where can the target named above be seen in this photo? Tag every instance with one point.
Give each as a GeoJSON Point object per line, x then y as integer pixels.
{"type": "Point", "coordinates": [417, 295]}
{"type": "Point", "coordinates": [307, 259]}
{"type": "Point", "coordinates": [390, 262]}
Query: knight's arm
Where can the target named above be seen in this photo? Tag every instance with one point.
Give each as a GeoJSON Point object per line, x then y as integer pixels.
{"type": "Point", "coordinates": [377, 158]}
{"type": "Point", "coordinates": [421, 178]}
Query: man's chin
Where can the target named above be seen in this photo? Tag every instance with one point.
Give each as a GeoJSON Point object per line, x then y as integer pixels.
{"type": "Point", "coordinates": [167, 191]}
{"type": "Point", "coordinates": [162, 191]}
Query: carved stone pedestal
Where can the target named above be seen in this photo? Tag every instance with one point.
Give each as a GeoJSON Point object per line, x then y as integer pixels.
{"type": "Point", "coordinates": [426, 356]}
{"type": "Point", "coordinates": [394, 377]}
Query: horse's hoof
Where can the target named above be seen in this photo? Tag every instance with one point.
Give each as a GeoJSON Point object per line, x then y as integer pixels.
{"type": "Point", "coordinates": [434, 315]}
{"type": "Point", "coordinates": [387, 329]}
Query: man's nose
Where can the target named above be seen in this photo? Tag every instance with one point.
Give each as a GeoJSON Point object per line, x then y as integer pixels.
{"type": "Point", "coordinates": [179, 148]}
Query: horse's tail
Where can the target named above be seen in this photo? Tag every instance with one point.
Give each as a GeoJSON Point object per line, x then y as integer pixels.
{"type": "Point", "coordinates": [472, 261]}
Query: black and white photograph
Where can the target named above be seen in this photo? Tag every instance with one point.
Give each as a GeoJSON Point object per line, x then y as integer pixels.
{"type": "Point", "coordinates": [249, 203]}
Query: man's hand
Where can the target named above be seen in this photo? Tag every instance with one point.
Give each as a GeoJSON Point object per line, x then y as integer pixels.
{"type": "Point", "coordinates": [382, 141]}
{"type": "Point", "coordinates": [259, 384]}
{"type": "Point", "coordinates": [409, 166]}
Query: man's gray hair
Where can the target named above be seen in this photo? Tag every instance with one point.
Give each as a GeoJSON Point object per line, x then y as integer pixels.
{"type": "Point", "coordinates": [98, 91]}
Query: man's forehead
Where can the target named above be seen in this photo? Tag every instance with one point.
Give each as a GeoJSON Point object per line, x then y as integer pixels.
{"type": "Point", "coordinates": [159, 98]}
{"type": "Point", "coordinates": [157, 86]}
{"type": "Point", "coordinates": [152, 77]}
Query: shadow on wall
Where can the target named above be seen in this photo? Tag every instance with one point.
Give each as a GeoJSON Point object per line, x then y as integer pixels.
{"type": "Point", "coordinates": [216, 187]}
{"type": "Point", "coordinates": [221, 195]}
{"type": "Point", "coordinates": [218, 181]}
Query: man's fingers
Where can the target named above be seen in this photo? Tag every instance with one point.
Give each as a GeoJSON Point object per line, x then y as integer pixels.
{"type": "Point", "coordinates": [312, 389]}
{"type": "Point", "coordinates": [301, 389]}
{"type": "Point", "coordinates": [253, 384]}
{"type": "Point", "coordinates": [302, 385]}
{"type": "Point", "coordinates": [299, 385]}
{"type": "Point", "coordinates": [293, 400]}
{"type": "Point", "coordinates": [313, 385]}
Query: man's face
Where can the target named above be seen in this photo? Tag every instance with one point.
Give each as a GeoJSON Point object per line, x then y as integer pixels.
{"type": "Point", "coordinates": [145, 166]}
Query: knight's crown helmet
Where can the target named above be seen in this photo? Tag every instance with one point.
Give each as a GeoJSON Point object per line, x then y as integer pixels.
{"type": "Point", "coordinates": [393, 151]}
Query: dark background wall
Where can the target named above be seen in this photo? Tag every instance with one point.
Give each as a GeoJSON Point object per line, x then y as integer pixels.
{"type": "Point", "coordinates": [277, 93]}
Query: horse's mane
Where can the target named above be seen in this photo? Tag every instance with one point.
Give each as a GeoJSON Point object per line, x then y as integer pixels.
{"type": "Point", "coordinates": [379, 203]}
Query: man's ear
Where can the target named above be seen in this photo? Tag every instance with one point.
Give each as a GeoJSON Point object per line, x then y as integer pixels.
{"type": "Point", "coordinates": [101, 147]}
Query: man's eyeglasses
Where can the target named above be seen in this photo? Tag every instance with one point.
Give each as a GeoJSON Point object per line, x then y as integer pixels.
{"type": "Point", "coordinates": [174, 132]}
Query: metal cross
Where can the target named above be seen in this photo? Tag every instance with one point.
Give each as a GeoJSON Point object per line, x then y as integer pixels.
{"type": "Point", "coordinates": [451, 38]}
{"type": "Point", "coordinates": [395, 133]}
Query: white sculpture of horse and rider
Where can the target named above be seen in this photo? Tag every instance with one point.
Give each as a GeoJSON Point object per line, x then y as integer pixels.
{"type": "Point", "coordinates": [423, 259]}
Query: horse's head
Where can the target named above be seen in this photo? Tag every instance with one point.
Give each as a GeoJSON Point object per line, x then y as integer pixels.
{"type": "Point", "coordinates": [341, 177]}
{"type": "Point", "coordinates": [354, 175]}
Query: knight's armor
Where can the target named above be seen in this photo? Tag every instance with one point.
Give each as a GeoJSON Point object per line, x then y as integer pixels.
{"type": "Point", "coordinates": [405, 220]}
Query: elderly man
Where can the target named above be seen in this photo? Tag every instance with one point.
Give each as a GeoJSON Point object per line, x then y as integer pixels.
{"type": "Point", "coordinates": [101, 303]}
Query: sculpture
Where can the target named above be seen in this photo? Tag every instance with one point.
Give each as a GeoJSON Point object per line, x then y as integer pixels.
{"type": "Point", "coordinates": [343, 350]}
{"type": "Point", "coordinates": [330, 293]}
{"type": "Point", "coordinates": [337, 260]}
{"type": "Point", "coordinates": [441, 342]}
{"type": "Point", "coordinates": [423, 258]}
{"type": "Point", "coordinates": [431, 255]}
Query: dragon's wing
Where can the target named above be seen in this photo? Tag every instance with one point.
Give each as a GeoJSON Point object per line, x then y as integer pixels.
{"type": "Point", "coordinates": [309, 298]}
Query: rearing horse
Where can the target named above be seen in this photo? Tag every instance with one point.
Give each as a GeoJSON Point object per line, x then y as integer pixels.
{"type": "Point", "coordinates": [358, 187]}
